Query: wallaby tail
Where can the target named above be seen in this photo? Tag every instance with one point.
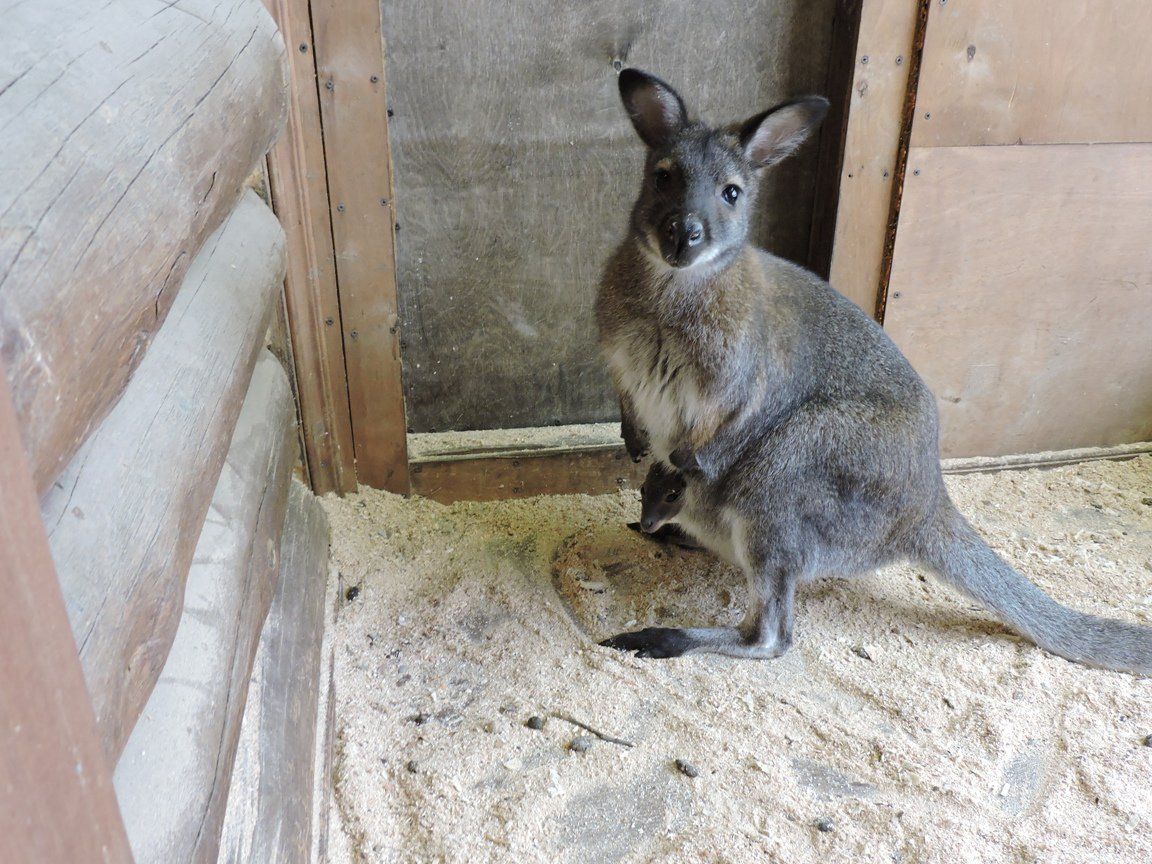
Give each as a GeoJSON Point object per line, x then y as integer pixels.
{"type": "Point", "coordinates": [951, 547]}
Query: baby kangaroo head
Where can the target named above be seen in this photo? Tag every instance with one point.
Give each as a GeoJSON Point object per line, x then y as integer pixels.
{"type": "Point", "coordinates": [661, 496]}
{"type": "Point", "coordinates": [700, 183]}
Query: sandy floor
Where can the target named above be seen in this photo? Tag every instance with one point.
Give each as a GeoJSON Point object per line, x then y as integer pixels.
{"type": "Point", "coordinates": [904, 721]}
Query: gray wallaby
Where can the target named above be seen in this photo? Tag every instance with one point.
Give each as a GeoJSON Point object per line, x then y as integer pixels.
{"type": "Point", "coordinates": [810, 443]}
{"type": "Point", "coordinates": [661, 497]}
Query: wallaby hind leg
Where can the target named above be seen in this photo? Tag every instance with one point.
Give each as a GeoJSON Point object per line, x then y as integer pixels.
{"type": "Point", "coordinates": [765, 633]}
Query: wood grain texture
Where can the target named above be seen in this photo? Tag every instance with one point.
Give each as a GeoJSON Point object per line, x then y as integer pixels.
{"type": "Point", "coordinates": [124, 517]}
{"type": "Point", "coordinates": [269, 816]}
{"type": "Point", "coordinates": [350, 67]}
{"type": "Point", "coordinates": [299, 187]}
{"type": "Point", "coordinates": [173, 778]}
{"type": "Point", "coordinates": [56, 799]}
{"type": "Point", "coordinates": [516, 168]}
{"type": "Point", "coordinates": [486, 478]}
{"type": "Point", "coordinates": [1022, 292]}
{"type": "Point", "coordinates": [1057, 72]}
{"type": "Point", "coordinates": [833, 133]}
{"type": "Point", "coordinates": [128, 129]}
{"type": "Point", "coordinates": [871, 148]}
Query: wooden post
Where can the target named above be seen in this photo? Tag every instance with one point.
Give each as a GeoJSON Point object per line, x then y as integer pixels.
{"type": "Point", "coordinates": [884, 56]}
{"type": "Point", "coordinates": [350, 70]}
{"type": "Point", "coordinates": [56, 800]}
{"type": "Point", "coordinates": [299, 187]}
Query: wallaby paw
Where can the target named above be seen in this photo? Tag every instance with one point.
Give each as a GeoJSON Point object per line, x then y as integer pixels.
{"type": "Point", "coordinates": [668, 535]}
{"type": "Point", "coordinates": [657, 643]}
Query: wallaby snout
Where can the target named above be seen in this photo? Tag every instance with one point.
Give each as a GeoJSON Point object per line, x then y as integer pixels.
{"type": "Point", "coordinates": [681, 239]}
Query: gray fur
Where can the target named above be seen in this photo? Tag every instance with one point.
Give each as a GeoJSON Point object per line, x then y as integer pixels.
{"type": "Point", "coordinates": [811, 444]}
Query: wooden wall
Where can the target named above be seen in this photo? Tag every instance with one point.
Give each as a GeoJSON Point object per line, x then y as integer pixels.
{"type": "Point", "coordinates": [1021, 282]}
{"type": "Point", "coordinates": [137, 283]}
{"type": "Point", "coordinates": [515, 168]}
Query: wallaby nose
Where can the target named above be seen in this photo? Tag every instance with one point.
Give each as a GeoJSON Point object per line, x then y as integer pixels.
{"type": "Point", "coordinates": [684, 231]}
{"type": "Point", "coordinates": [647, 524]}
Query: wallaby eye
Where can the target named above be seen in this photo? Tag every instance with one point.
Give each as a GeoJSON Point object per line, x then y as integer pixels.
{"type": "Point", "coordinates": [730, 193]}
{"type": "Point", "coordinates": [662, 176]}
{"type": "Point", "coordinates": [672, 496]}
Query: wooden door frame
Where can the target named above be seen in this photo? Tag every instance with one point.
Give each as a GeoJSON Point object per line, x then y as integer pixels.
{"type": "Point", "coordinates": [331, 181]}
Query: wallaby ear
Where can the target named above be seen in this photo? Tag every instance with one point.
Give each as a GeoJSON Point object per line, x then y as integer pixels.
{"type": "Point", "coordinates": [769, 137]}
{"type": "Point", "coordinates": [655, 109]}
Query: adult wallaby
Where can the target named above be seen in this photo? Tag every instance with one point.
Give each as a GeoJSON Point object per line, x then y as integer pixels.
{"type": "Point", "coordinates": [809, 441]}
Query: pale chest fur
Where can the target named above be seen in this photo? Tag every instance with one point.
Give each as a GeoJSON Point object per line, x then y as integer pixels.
{"type": "Point", "coordinates": [658, 377]}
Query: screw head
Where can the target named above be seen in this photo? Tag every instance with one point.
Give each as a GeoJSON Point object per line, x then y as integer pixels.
{"type": "Point", "coordinates": [899, 59]}
{"type": "Point", "coordinates": [340, 207]}
{"type": "Point", "coordinates": [389, 112]}
{"type": "Point", "coordinates": [329, 321]}
{"type": "Point", "coordinates": [303, 47]}
{"type": "Point", "coordinates": [354, 335]}
{"type": "Point", "coordinates": [916, 173]}
{"type": "Point", "coordinates": [864, 60]}
{"type": "Point", "coordinates": [374, 79]}
{"type": "Point", "coordinates": [328, 85]}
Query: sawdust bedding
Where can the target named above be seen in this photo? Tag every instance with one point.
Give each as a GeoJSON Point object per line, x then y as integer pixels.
{"type": "Point", "coordinates": [905, 725]}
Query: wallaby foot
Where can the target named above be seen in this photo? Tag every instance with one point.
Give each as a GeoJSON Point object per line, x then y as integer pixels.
{"type": "Point", "coordinates": [663, 642]}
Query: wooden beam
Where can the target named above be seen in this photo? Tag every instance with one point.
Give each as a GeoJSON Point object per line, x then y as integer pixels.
{"type": "Point", "coordinates": [584, 468]}
{"type": "Point", "coordinates": [350, 69]}
{"type": "Point", "coordinates": [127, 131]}
{"type": "Point", "coordinates": [124, 517]}
{"type": "Point", "coordinates": [174, 776]}
{"type": "Point", "coordinates": [299, 187]}
{"type": "Point", "coordinates": [270, 815]}
{"type": "Point", "coordinates": [56, 800]}
{"type": "Point", "coordinates": [868, 170]}
{"type": "Point", "coordinates": [838, 89]}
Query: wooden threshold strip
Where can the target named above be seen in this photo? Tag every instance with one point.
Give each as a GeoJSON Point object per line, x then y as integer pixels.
{"type": "Point", "coordinates": [592, 461]}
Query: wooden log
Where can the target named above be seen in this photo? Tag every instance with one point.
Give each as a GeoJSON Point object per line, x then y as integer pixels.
{"type": "Point", "coordinates": [269, 816]}
{"type": "Point", "coordinates": [56, 800]}
{"type": "Point", "coordinates": [128, 129]}
{"type": "Point", "coordinates": [173, 777]}
{"type": "Point", "coordinates": [124, 517]}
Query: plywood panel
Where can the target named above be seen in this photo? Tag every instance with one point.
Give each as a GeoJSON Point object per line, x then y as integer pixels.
{"type": "Point", "coordinates": [1022, 291]}
{"type": "Point", "coordinates": [56, 799]}
{"type": "Point", "coordinates": [882, 59]}
{"type": "Point", "coordinates": [515, 168]}
{"type": "Point", "coordinates": [1058, 71]}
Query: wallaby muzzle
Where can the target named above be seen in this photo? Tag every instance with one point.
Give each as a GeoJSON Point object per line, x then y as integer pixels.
{"type": "Point", "coordinates": [682, 239]}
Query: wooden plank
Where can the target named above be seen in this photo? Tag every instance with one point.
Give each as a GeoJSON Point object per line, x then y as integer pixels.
{"type": "Point", "coordinates": [491, 478]}
{"type": "Point", "coordinates": [833, 133]}
{"type": "Point", "coordinates": [173, 778]}
{"type": "Point", "coordinates": [884, 56]}
{"type": "Point", "coordinates": [56, 800]}
{"type": "Point", "coordinates": [269, 815]}
{"type": "Point", "coordinates": [299, 186]}
{"type": "Point", "coordinates": [350, 66]}
{"type": "Point", "coordinates": [572, 469]}
{"type": "Point", "coordinates": [124, 517]}
{"type": "Point", "coordinates": [128, 130]}
{"type": "Point", "coordinates": [1022, 292]}
{"type": "Point", "coordinates": [516, 168]}
{"type": "Point", "coordinates": [1057, 72]}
